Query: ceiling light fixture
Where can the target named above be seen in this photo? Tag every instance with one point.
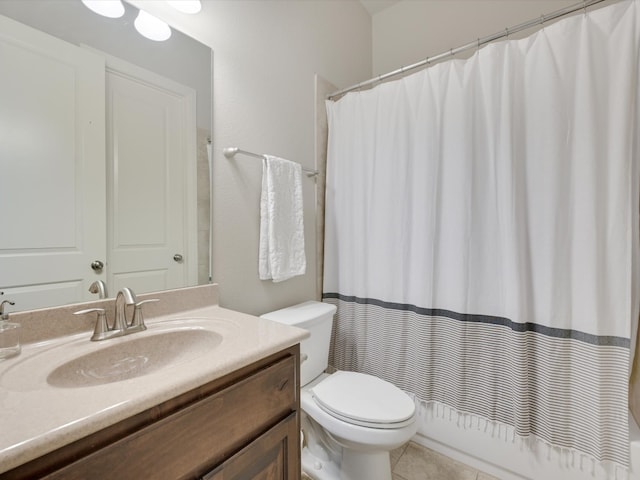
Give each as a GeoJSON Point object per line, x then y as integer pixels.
{"type": "Point", "coordinates": [186, 6]}
{"type": "Point", "coordinates": [151, 27]}
{"type": "Point", "coordinates": [106, 8]}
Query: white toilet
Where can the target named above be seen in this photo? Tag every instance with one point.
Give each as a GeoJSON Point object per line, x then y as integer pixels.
{"type": "Point", "coordinates": [351, 421]}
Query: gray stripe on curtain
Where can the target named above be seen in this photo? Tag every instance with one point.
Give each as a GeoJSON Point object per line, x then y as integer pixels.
{"type": "Point", "coordinates": [490, 319]}
{"type": "Point", "coordinates": [517, 377]}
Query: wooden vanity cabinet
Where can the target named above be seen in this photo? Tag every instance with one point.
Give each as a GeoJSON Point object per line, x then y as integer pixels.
{"type": "Point", "coordinates": [245, 425]}
{"type": "Point", "coordinates": [265, 458]}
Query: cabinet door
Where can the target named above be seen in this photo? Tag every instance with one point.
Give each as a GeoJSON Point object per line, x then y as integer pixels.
{"type": "Point", "coordinates": [273, 456]}
{"type": "Point", "coordinates": [52, 164]}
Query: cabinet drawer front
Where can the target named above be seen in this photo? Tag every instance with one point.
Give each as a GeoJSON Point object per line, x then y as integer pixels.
{"type": "Point", "coordinates": [200, 436]}
{"type": "Point", "coordinates": [273, 455]}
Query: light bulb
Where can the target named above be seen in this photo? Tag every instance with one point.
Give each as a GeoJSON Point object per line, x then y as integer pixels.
{"type": "Point", "coordinates": [151, 27]}
{"type": "Point", "coordinates": [186, 6]}
{"type": "Point", "coordinates": [106, 8]}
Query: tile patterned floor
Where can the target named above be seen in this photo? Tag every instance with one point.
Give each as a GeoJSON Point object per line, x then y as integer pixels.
{"type": "Point", "coordinates": [415, 462]}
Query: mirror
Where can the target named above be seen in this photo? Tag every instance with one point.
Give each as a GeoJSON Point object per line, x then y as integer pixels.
{"type": "Point", "coordinates": [180, 59]}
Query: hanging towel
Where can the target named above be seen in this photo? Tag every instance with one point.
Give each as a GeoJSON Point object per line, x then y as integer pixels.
{"type": "Point", "coordinates": [281, 254]}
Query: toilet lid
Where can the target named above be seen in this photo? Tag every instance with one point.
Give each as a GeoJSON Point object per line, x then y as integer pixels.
{"type": "Point", "coordinates": [363, 399]}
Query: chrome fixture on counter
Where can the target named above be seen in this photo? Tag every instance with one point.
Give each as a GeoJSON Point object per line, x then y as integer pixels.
{"type": "Point", "coordinates": [125, 297]}
{"type": "Point", "coordinates": [121, 326]}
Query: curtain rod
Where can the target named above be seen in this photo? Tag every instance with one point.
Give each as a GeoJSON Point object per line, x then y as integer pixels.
{"type": "Point", "coordinates": [471, 45]}
{"type": "Point", "coordinates": [230, 152]}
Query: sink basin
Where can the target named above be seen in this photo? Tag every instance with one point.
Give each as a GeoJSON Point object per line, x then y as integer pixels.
{"type": "Point", "coordinates": [133, 358]}
{"type": "Point", "coordinates": [75, 362]}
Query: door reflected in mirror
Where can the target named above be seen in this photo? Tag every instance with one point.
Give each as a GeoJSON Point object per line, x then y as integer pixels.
{"type": "Point", "coordinates": [104, 153]}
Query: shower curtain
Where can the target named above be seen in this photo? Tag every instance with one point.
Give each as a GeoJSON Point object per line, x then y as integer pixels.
{"type": "Point", "coordinates": [481, 233]}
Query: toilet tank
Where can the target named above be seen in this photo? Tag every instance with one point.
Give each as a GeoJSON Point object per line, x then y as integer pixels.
{"type": "Point", "coordinates": [317, 318]}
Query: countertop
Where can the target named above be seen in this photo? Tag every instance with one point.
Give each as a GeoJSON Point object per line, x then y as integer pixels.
{"type": "Point", "coordinates": [36, 418]}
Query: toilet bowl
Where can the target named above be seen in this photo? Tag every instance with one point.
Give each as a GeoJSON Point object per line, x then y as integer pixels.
{"type": "Point", "coordinates": [364, 437]}
{"type": "Point", "coordinates": [351, 421]}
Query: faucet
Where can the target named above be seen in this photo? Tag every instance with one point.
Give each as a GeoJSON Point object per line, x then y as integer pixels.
{"type": "Point", "coordinates": [100, 288]}
{"type": "Point", "coordinates": [121, 326]}
{"type": "Point", "coordinates": [125, 297]}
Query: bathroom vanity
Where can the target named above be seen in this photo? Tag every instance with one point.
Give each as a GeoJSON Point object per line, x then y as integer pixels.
{"type": "Point", "coordinates": [230, 411]}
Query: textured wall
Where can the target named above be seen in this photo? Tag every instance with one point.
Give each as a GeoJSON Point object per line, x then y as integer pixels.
{"type": "Point", "coordinates": [265, 56]}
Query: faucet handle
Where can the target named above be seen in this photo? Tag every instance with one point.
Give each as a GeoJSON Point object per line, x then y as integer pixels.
{"type": "Point", "coordinates": [101, 330]}
{"type": "Point", "coordinates": [150, 300]}
{"type": "Point", "coordinates": [138, 318]}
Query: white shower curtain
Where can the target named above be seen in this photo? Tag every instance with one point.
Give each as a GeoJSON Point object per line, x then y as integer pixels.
{"type": "Point", "coordinates": [481, 232]}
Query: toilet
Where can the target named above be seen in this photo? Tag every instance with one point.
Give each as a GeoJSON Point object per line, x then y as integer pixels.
{"type": "Point", "coordinates": [350, 421]}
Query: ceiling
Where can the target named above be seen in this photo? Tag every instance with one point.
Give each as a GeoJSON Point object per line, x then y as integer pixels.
{"type": "Point", "coordinates": [375, 6]}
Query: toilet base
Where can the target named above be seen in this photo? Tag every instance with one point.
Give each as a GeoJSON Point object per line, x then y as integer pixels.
{"type": "Point", "coordinates": [355, 466]}
{"type": "Point", "coordinates": [365, 465]}
{"type": "Point", "coordinates": [325, 459]}
{"type": "Point", "coordinates": [317, 468]}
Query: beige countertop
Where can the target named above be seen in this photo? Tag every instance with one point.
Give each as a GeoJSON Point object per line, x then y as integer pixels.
{"type": "Point", "coordinates": [37, 418]}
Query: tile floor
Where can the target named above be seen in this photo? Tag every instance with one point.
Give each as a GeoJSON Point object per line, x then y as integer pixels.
{"type": "Point", "coordinates": [415, 462]}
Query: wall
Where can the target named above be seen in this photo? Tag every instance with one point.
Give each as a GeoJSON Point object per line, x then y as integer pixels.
{"type": "Point", "coordinates": [265, 57]}
{"type": "Point", "coordinates": [410, 31]}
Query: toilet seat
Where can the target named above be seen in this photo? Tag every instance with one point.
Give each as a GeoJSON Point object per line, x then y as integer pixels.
{"type": "Point", "coordinates": [364, 400]}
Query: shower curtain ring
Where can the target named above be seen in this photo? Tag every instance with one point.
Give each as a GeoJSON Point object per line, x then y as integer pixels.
{"type": "Point", "coordinates": [542, 19]}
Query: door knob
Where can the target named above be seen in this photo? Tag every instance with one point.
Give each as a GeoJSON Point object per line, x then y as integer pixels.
{"type": "Point", "coordinates": [177, 257]}
{"type": "Point", "coordinates": [97, 265]}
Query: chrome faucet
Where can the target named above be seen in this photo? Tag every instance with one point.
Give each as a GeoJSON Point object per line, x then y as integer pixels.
{"type": "Point", "coordinates": [100, 288]}
{"type": "Point", "coordinates": [125, 297]}
{"type": "Point", "coordinates": [121, 326]}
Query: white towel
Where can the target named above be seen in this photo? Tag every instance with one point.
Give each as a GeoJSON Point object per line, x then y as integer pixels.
{"type": "Point", "coordinates": [281, 253]}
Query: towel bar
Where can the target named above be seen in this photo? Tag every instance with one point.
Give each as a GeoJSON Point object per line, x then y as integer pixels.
{"type": "Point", "coordinates": [230, 152]}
